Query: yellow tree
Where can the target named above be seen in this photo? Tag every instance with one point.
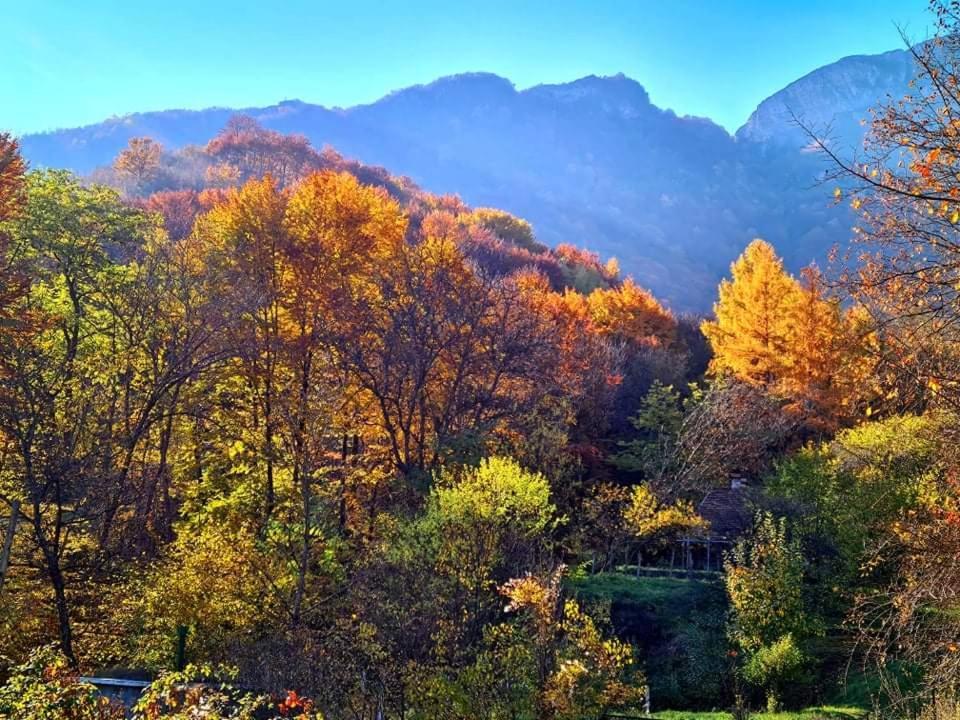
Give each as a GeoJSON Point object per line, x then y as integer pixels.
{"type": "Point", "coordinates": [791, 339]}
{"type": "Point", "coordinates": [283, 264]}
{"type": "Point", "coordinates": [339, 232]}
{"type": "Point", "coordinates": [815, 358]}
{"type": "Point", "coordinates": [751, 334]}
{"type": "Point", "coordinates": [243, 241]}
{"type": "Point", "coordinates": [629, 312]}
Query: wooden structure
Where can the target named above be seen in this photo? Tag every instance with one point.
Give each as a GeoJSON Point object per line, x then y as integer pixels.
{"type": "Point", "coordinates": [119, 690]}
{"type": "Point", "coordinates": [728, 512]}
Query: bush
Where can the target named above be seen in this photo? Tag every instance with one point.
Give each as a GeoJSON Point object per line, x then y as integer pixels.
{"type": "Point", "coordinates": [45, 687]}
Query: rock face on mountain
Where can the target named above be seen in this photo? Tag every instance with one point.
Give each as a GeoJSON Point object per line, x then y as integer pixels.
{"type": "Point", "coordinates": [592, 162]}
{"type": "Point", "coordinates": [838, 96]}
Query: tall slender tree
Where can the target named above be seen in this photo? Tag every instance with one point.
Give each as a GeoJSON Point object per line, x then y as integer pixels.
{"type": "Point", "coordinates": [751, 334]}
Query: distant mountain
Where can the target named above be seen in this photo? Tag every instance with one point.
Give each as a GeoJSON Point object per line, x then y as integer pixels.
{"type": "Point", "coordinates": [838, 96]}
{"type": "Point", "coordinates": [592, 162]}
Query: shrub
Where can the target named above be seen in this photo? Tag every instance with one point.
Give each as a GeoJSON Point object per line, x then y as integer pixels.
{"type": "Point", "coordinates": [45, 687]}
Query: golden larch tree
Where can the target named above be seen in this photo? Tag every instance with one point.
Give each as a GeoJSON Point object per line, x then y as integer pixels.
{"type": "Point", "coordinates": [790, 338]}
{"type": "Point", "coordinates": [751, 334]}
{"type": "Point", "coordinates": [814, 359]}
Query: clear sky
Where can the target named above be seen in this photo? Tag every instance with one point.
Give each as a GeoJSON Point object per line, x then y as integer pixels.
{"type": "Point", "coordinates": [71, 62]}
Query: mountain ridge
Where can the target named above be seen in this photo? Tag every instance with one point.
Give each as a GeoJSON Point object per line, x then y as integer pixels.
{"type": "Point", "coordinates": [898, 64]}
{"type": "Point", "coordinates": [593, 161]}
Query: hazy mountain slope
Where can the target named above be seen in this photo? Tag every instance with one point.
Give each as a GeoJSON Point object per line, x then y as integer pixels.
{"type": "Point", "coordinates": [838, 95]}
{"type": "Point", "coordinates": [592, 161]}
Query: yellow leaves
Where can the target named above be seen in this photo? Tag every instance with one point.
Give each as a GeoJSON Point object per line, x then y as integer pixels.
{"type": "Point", "coordinates": [485, 502]}
{"type": "Point", "coordinates": [535, 595]}
{"type": "Point", "coordinates": [837, 193]}
{"type": "Point", "coordinates": [955, 217]}
{"type": "Point", "coordinates": [590, 670]}
{"type": "Point", "coordinates": [612, 267]}
{"type": "Point", "coordinates": [748, 335]}
{"type": "Point", "coordinates": [237, 449]}
{"type": "Point", "coordinates": [505, 226]}
{"type": "Point", "coordinates": [647, 516]}
{"type": "Point", "coordinates": [629, 311]}
{"type": "Point", "coordinates": [341, 226]}
{"type": "Point", "coordinates": [529, 593]}
{"type": "Point", "coordinates": [772, 331]}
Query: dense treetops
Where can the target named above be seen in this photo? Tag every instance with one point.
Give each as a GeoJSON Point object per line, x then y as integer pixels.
{"type": "Point", "coordinates": [253, 384]}
{"type": "Point", "coordinates": [351, 441]}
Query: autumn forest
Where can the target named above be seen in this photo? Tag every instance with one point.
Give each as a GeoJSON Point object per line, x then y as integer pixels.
{"type": "Point", "coordinates": [283, 434]}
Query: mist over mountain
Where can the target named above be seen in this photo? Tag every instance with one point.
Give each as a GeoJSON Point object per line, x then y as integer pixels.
{"type": "Point", "coordinates": [592, 162]}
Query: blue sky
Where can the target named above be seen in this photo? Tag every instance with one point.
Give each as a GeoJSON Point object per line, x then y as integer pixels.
{"type": "Point", "coordinates": [70, 62]}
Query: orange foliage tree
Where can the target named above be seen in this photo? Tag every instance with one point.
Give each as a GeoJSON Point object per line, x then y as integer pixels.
{"type": "Point", "coordinates": [906, 190]}
{"type": "Point", "coordinates": [629, 312]}
{"type": "Point", "coordinates": [787, 337]}
{"type": "Point", "coordinates": [245, 150]}
{"type": "Point", "coordinates": [12, 169]}
{"type": "Point", "coordinates": [139, 161]}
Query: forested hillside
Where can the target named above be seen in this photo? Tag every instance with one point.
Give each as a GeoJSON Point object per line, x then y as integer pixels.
{"type": "Point", "coordinates": [283, 434]}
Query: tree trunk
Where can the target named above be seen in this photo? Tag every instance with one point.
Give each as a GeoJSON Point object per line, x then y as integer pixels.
{"type": "Point", "coordinates": [270, 493]}
{"type": "Point", "coordinates": [63, 613]}
{"type": "Point", "coordinates": [55, 573]}
{"type": "Point", "coordinates": [8, 541]}
{"type": "Point", "coordinates": [303, 563]}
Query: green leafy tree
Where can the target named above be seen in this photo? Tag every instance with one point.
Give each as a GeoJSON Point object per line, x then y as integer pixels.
{"type": "Point", "coordinates": [56, 420]}
{"type": "Point", "coordinates": [764, 581]}
{"type": "Point", "coordinates": [489, 519]}
{"type": "Point", "coordinates": [658, 422]}
{"type": "Point", "coordinates": [846, 493]}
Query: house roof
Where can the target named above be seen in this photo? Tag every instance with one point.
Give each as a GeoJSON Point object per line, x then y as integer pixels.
{"type": "Point", "coordinates": [728, 512]}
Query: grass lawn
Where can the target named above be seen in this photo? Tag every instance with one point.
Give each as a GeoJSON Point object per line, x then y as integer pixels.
{"type": "Point", "coordinates": [819, 713]}
{"type": "Point", "coordinates": [670, 598]}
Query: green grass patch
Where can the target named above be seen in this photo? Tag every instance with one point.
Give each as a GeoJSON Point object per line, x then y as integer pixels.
{"type": "Point", "coordinates": [655, 592]}
{"type": "Point", "coordinates": [827, 712]}
{"type": "Point", "coordinates": [665, 602]}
